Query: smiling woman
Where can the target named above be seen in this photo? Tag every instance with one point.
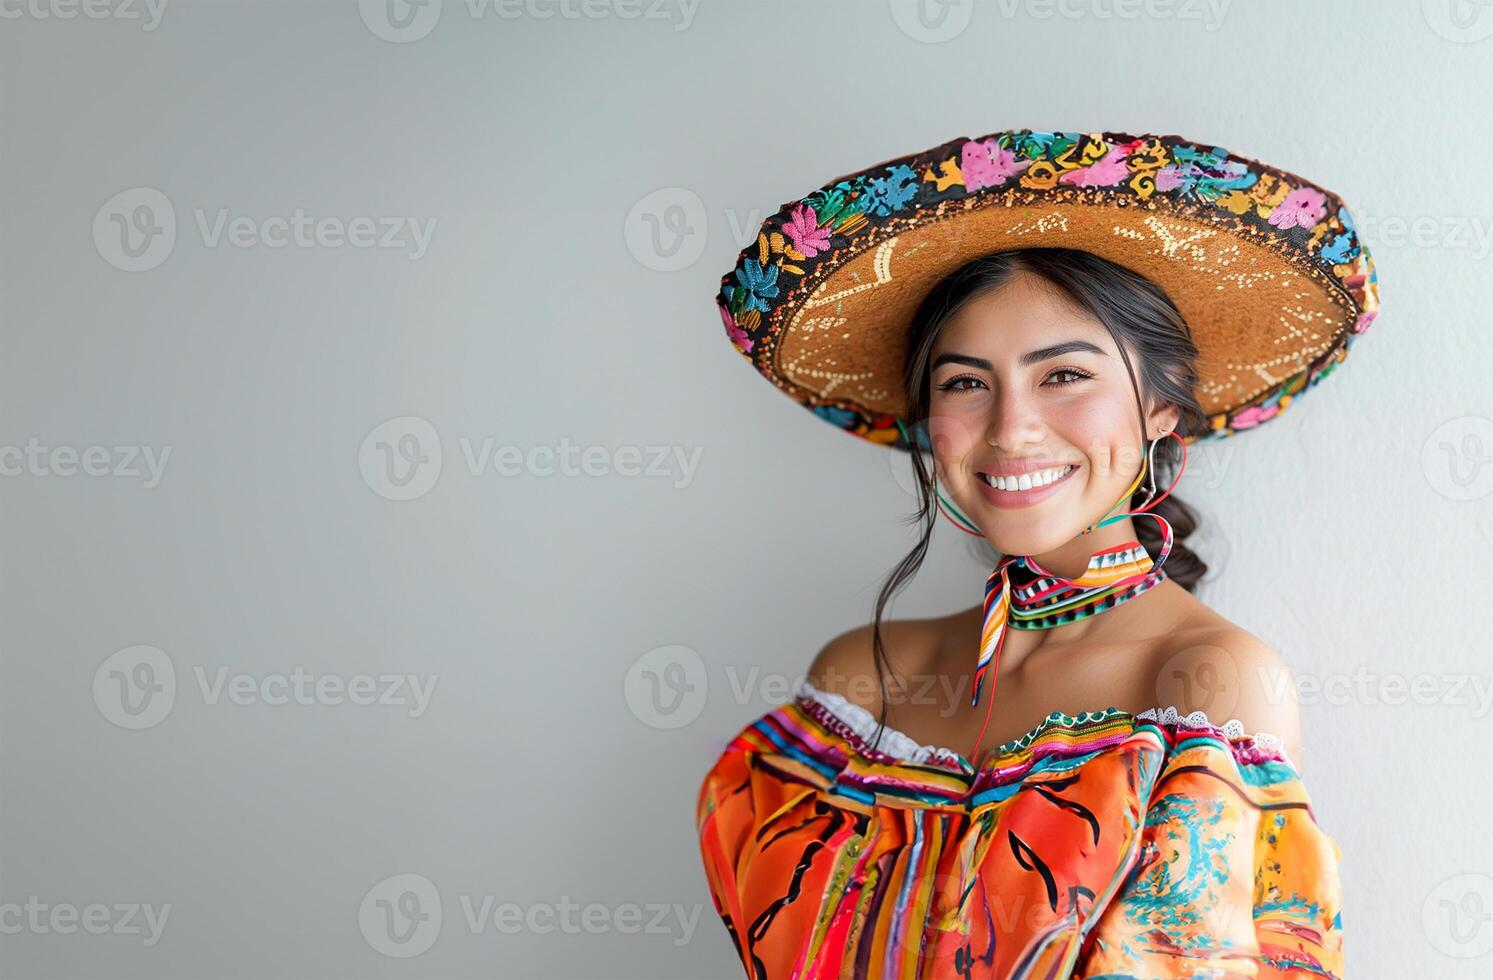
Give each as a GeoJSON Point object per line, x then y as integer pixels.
{"type": "Point", "coordinates": [1018, 420]}
{"type": "Point", "coordinates": [1045, 321]}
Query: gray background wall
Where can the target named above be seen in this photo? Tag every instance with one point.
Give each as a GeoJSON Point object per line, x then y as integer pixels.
{"type": "Point", "coordinates": [350, 482]}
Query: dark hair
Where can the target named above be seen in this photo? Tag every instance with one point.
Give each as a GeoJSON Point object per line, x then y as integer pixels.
{"type": "Point", "coordinates": [1141, 319]}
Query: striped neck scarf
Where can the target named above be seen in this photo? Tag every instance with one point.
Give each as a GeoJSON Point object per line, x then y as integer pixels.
{"type": "Point", "coordinates": [1021, 594]}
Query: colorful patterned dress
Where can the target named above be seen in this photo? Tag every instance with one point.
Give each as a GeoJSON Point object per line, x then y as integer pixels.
{"type": "Point", "coordinates": [1106, 845]}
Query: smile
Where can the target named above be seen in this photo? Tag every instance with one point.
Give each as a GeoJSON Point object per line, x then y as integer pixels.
{"type": "Point", "coordinates": [1025, 490]}
{"type": "Point", "coordinates": [1027, 481]}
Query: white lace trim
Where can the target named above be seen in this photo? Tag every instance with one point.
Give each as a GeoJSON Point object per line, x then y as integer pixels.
{"type": "Point", "coordinates": [893, 743]}
{"type": "Point", "coordinates": [903, 747]}
{"type": "Point", "coordinates": [1233, 728]}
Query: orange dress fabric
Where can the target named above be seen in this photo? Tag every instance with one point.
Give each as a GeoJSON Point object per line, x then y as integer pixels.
{"type": "Point", "coordinates": [1102, 845]}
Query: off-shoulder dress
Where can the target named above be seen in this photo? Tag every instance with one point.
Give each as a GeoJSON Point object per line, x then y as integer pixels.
{"type": "Point", "coordinates": [1099, 845]}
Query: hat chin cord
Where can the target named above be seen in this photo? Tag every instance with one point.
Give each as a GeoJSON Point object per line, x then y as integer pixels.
{"type": "Point", "coordinates": [1148, 472]}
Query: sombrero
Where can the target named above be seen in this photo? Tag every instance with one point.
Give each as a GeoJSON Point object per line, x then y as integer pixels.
{"type": "Point", "coordinates": [1265, 266]}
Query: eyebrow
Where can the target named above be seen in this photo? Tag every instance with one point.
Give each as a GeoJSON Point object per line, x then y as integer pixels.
{"type": "Point", "coordinates": [1029, 358]}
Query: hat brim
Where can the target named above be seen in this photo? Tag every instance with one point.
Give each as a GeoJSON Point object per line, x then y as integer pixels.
{"type": "Point", "coordinates": [1265, 267]}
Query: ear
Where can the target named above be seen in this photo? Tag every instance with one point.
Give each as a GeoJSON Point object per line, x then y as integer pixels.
{"type": "Point", "coordinates": [1163, 419]}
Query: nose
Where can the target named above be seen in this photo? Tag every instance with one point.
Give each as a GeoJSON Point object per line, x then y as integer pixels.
{"type": "Point", "coordinates": [1013, 420]}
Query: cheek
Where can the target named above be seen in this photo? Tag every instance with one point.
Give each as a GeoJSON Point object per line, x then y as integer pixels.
{"type": "Point", "coordinates": [953, 433]}
{"type": "Point", "coordinates": [1098, 428]}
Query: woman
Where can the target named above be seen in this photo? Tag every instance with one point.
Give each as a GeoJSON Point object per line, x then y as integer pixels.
{"type": "Point", "coordinates": [1163, 829]}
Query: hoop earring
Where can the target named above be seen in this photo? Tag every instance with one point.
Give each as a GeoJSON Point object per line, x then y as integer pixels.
{"type": "Point", "coordinates": [1151, 469]}
{"type": "Point", "coordinates": [1148, 503]}
{"type": "Point", "coordinates": [1149, 474]}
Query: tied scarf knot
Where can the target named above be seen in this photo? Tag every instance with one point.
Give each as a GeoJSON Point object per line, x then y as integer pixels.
{"type": "Point", "coordinates": [1020, 593]}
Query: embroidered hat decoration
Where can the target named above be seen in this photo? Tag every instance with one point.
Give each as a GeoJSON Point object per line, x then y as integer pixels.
{"type": "Point", "coordinates": [1266, 267]}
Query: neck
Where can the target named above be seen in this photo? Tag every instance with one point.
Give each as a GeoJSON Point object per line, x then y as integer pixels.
{"type": "Point", "coordinates": [1072, 558]}
{"type": "Point", "coordinates": [1069, 561]}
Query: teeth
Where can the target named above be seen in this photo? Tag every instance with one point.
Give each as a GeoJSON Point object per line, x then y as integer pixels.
{"type": "Point", "coordinates": [1028, 481]}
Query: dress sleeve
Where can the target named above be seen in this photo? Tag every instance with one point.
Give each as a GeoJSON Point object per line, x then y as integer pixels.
{"type": "Point", "coordinates": [1232, 877]}
{"type": "Point", "coordinates": [767, 839]}
{"type": "Point", "coordinates": [723, 815]}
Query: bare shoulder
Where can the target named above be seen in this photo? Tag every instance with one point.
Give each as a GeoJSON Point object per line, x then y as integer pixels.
{"type": "Point", "coordinates": [847, 664]}
{"type": "Point", "coordinates": [1227, 672]}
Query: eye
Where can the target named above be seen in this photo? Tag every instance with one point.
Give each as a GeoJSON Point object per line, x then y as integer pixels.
{"type": "Point", "coordinates": [953, 384]}
{"type": "Point", "coordinates": [1078, 376]}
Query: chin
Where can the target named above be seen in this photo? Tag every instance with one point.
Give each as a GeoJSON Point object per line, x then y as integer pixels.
{"type": "Point", "coordinates": [1022, 533]}
{"type": "Point", "coordinates": [1026, 544]}
{"type": "Point", "coordinates": [1042, 527]}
